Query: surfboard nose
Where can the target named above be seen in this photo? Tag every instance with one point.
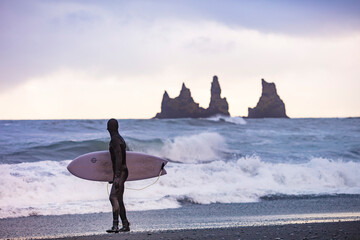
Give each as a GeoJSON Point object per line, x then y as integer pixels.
{"type": "Point", "coordinates": [70, 167]}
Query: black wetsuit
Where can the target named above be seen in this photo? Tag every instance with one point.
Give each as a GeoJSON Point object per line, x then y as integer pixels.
{"type": "Point", "coordinates": [117, 148]}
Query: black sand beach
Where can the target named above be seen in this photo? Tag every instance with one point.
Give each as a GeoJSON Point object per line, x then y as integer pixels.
{"type": "Point", "coordinates": [333, 230]}
{"type": "Point", "coordinates": [330, 217]}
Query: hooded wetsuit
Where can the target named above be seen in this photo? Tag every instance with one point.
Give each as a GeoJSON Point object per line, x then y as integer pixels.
{"type": "Point", "coordinates": [117, 148]}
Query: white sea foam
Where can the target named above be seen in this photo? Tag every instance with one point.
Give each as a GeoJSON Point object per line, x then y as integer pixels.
{"type": "Point", "coordinates": [235, 120]}
{"type": "Point", "coordinates": [197, 148]}
{"type": "Point", "coordinates": [46, 188]}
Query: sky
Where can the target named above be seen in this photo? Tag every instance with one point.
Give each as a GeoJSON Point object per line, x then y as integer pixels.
{"type": "Point", "coordinates": [74, 59]}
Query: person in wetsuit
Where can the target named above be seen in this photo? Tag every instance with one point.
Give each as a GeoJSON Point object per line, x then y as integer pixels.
{"type": "Point", "coordinates": [117, 148]}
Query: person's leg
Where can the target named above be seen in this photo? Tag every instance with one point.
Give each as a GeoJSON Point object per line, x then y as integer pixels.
{"type": "Point", "coordinates": [120, 198]}
{"type": "Point", "coordinates": [115, 208]}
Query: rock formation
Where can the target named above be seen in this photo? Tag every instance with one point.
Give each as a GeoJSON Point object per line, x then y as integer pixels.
{"type": "Point", "coordinates": [184, 105]}
{"type": "Point", "coordinates": [217, 104]}
{"type": "Point", "coordinates": [270, 105]}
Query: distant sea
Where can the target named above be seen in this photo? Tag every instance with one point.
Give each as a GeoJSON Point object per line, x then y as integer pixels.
{"type": "Point", "coordinates": [222, 160]}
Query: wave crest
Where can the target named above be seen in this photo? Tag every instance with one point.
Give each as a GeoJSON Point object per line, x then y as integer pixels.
{"type": "Point", "coordinates": [47, 188]}
{"type": "Point", "coordinates": [234, 120]}
{"type": "Point", "coordinates": [202, 147]}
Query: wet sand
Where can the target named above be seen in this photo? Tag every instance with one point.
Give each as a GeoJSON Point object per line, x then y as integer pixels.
{"type": "Point", "coordinates": [315, 218]}
{"type": "Point", "coordinates": [333, 230]}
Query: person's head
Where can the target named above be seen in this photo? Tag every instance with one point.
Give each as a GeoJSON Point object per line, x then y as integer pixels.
{"type": "Point", "coordinates": [112, 125]}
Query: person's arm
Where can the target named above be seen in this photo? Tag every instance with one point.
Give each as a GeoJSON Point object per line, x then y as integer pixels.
{"type": "Point", "coordinates": [117, 161]}
{"type": "Point", "coordinates": [123, 152]}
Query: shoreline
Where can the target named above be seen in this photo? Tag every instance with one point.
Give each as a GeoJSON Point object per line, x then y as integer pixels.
{"type": "Point", "coordinates": [325, 230]}
{"type": "Point", "coordinates": [200, 221]}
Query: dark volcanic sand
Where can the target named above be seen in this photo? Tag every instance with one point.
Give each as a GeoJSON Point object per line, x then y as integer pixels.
{"type": "Point", "coordinates": [333, 230]}
{"type": "Point", "coordinates": [335, 217]}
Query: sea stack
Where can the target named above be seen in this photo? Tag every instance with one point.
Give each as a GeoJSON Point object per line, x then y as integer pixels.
{"type": "Point", "coordinates": [218, 105]}
{"type": "Point", "coordinates": [270, 105]}
{"type": "Point", "coordinates": [184, 105]}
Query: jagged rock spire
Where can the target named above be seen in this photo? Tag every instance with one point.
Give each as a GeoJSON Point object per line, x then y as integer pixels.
{"type": "Point", "coordinates": [215, 88]}
{"type": "Point", "coordinates": [217, 104]}
{"type": "Point", "coordinates": [270, 104]}
{"type": "Point", "coordinates": [185, 92]}
{"type": "Point", "coordinates": [184, 105]}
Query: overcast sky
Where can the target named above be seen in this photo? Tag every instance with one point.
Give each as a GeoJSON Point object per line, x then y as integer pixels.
{"type": "Point", "coordinates": [101, 59]}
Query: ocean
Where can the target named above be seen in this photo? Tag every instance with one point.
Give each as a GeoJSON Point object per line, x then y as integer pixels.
{"type": "Point", "coordinates": [219, 160]}
{"type": "Point", "coordinates": [215, 160]}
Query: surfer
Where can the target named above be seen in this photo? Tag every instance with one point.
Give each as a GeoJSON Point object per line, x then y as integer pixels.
{"type": "Point", "coordinates": [117, 148]}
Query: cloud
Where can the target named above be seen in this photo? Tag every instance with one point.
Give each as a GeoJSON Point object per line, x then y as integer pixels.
{"type": "Point", "coordinates": [129, 81]}
{"type": "Point", "coordinates": [125, 37]}
{"type": "Point", "coordinates": [70, 94]}
{"type": "Point", "coordinates": [57, 54]}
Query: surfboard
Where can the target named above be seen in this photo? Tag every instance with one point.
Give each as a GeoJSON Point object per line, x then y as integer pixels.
{"type": "Point", "coordinates": [97, 166]}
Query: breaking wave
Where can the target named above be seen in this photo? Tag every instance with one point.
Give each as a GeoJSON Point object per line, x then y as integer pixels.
{"type": "Point", "coordinates": [202, 147]}
{"type": "Point", "coordinates": [47, 188]}
{"type": "Point", "coordinates": [234, 120]}
{"type": "Point", "coordinates": [215, 160]}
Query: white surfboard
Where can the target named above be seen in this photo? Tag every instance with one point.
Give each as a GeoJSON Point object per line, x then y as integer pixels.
{"type": "Point", "coordinates": [97, 166]}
